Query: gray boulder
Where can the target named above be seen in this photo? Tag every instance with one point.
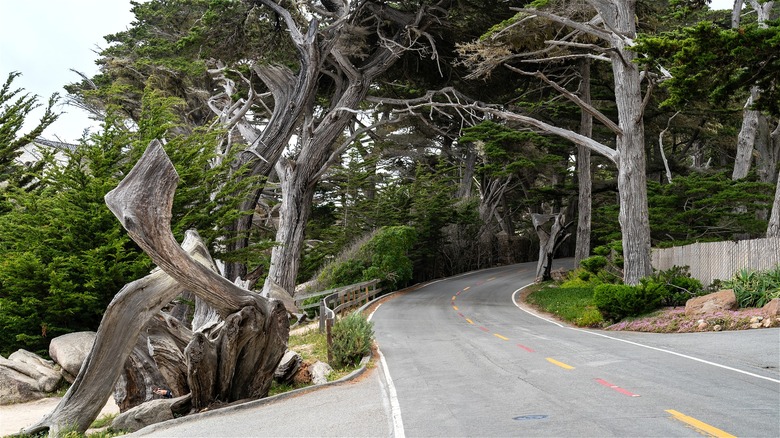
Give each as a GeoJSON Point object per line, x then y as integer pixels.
{"type": "Point", "coordinates": [25, 376]}
{"type": "Point", "coordinates": [71, 350]}
{"type": "Point", "coordinates": [288, 366]}
{"type": "Point", "coordinates": [151, 412]}
{"type": "Point", "coordinates": [319, 372]}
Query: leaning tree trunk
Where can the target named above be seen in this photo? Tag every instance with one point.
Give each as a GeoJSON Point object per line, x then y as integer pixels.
{"type": "Point", "coordinates": [235, 363]}
{"type": "Point", "coordinates": [773, 230]}
{"type": "Point", "coordinates": [549, 240]}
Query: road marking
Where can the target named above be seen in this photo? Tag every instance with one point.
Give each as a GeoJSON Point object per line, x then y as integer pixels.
{"type": "Point", "coordinates": [453, 297]}
{"type": "Point", "coordinates": [466, 288]}
{"type": "Point", "coordinates": [500, 337]}
{"type": "Point", "coordinates": [461, 315]}
{"type": "Point", "coordinates": [616, 388]}
{"type": "Point", "coordinates": [469, 321]}
{"type": "Point", "coordinates": [490, 279]}
{"type": "Point", "coordinates": [395, 408]}
{"type": "Point", "coordinates": [484, 329]}
{"type": "Point", "coordinates": [530, 350]}
{"type": "Point", "coordinates": [725, 367]}
{"type": "Point", "coordinates": [560, 364]}
{"type": "Point", "coordinates": [704, 427]}
{"type": "Point", "coordinates": [455, 307]}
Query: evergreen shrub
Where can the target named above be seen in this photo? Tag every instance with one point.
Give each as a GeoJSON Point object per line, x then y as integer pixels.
{"type": "Point", "coordinates": [675, 286]}
{"type": "Point", "coordinates": [353, 336]}
{"type": "Point", "coordinates": [755, 288]}
{"type": "Point", "coordinates": [618, 301]}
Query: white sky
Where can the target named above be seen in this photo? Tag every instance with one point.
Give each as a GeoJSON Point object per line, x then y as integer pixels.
{"type": "Point", "coordinates": [44, 39]}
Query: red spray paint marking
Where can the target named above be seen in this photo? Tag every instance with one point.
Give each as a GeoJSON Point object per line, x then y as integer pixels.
{"type": "Point", "coordinates": [530, 350]}
{"type": "Point", "coordinates": [461, 315]}
{"type": "Point", "coordinates": [616, 388]}
{"type": "Point", "coordinates": [484, 329]}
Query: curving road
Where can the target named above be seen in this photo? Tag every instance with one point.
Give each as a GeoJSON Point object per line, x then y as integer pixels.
{"type": "Point", "coordinates": [464, 360]}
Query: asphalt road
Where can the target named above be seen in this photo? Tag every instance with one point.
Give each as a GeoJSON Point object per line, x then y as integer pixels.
{"type": "Point", "coordinates": [465, 361]}
{"type": "Point", "coordinates": [461, 359]}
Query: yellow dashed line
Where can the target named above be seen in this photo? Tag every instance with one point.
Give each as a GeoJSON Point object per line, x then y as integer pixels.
{"type": "Point", "coordinates": [454, 297]}
{"type": "Point", "coordinates": [466, 288]}
{"type": "Point", "coordinates": [704, 427]}
{"type": "Point", "coordinates": [455, 307]}
{"type": "Point", "coordinates": [500, 337]}
{"type": "Point", "coordinates": [469, 321]}
{"type": "Point", "coordinates": [491, 279]}
{"type": "Point", "coordinates": [560, 364]}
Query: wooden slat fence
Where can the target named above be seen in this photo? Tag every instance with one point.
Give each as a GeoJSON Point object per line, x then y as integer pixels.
{"type": "Point", "coordinates": [339, 300]}
{"type": "Point", "coordinates": [720, 260]}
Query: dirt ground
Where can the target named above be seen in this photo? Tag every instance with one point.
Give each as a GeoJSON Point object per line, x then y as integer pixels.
{"type": "Point", "coordinates": [15, 417]}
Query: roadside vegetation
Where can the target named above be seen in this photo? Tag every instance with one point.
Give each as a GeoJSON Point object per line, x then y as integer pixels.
{"type": "Point", "coordinates": [594, 296]}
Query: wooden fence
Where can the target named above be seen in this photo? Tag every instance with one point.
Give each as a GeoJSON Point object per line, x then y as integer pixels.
{"type": "Point", "coordinates": [720, 260]}
{"type": "Point", "coordinates": [340, 299]}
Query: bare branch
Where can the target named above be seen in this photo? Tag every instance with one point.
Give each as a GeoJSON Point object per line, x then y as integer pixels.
{"type": "Point", "coordinates": [574, 98]}
{"type": "Point", "coordinates": [582, 27]}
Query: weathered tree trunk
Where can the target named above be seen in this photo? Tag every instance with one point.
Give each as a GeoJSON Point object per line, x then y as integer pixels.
{"type": "Point", "coordinates": [584, 180]}
{"type": "Point", "coordinates": [632, 179]}
{"type": "Point", "coordinates": [773, 230]}
{"type": "Point", "coordinates": [548, 241]}
{"type": "Point", "coordinates": [746, 138]}
{"type": "Point", "coordinates": [142, 202]}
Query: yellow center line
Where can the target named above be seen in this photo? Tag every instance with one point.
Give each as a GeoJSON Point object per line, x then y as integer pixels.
{"type": "Point", "coordinates": [469, 321]}
{"type": "Point", "coordinates": [560, 364]}
{"type": "Point", "coordinates": [491, 279]}
{"type": "Point", "coordinates": [704, 427]}
{"type": "Point", "coordinates": [454, 297]}
{"type": "Point", "coordinates": [466, 288]}
{"type": "Point", "coordinates": [455, 307]}
{"type": "Point", "coordinates": [500, 337]}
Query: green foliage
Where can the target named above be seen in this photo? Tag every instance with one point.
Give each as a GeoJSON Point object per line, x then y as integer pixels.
{"type": "Point", "coordinates": [383, 256]}
{"type": "Point", "coordinates": [675, 286]}
{"type": "Point", "coordinates": [572, 304]}
{"type": "Point", "coordinates": [14, 110]}
{"type": "Point", "coordinates": [755, 288]}
{"type": "Point", "coordinates": [63, 254]}
{"type": "Point", "coordinates": [353, 338]}
{"type": "Point", "coordinates": [617, 301]}
{"type": "Point", "coordinates": [709, 61]}
{"type": "Point", "coordinates": [698, 207]}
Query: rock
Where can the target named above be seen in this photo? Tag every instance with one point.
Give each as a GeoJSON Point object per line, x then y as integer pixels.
{"type": "Point", "coordinates": [70, 350]}
{"type": "Point", "coordinates": [755, 325]}
{"type": "Point", "coordinates": [714, 302]}
{"type": "Point", "coordinates": [16, 387]}
{"type": "Point", "coordinates": [756, 319]}
{"type": "Point", "coordinates": [717, 328]}
{"type": "Point", "coordinates": [702, 324]}
{"type": "Point", "coordinates": [767, 322]}
{"type": "Point", "coordinates": [151, 412]}
{"type": "Point", "coordinates": [287, 367]}
{"type": "Point", "coordinates": [772, 308]}
{"type": "Point", "coordinates": [38, 368]}
{"type": "Point", "coordinates": [319, 372]}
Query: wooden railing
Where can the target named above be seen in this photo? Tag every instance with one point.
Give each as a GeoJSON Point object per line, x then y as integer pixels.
{"type": "Point", "coordinates": [337, 301]}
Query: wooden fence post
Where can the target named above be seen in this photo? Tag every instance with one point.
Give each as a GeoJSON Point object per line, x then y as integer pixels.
{"type": "Point", "coordinates": [329, 336]}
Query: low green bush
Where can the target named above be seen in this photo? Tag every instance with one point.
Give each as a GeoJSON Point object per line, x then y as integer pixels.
{"type": "Point", "coordinates": [617, 301]}
{"type": "Point", "coordinates": [572, 304]}
{"type": "Point", "coordinates": [352, 339]}
{"type": "Point", "coordinates": [674, 286]}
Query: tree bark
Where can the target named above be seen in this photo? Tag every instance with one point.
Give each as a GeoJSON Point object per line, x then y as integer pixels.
{"type": "Point", "coordinates": [773, 230]}
{"type": "Point", "coordinates": [584, 181]}
{"type": "Point", "coordinates": [632, 179]}
{"type": "Point", "coordinates": [548, 241]}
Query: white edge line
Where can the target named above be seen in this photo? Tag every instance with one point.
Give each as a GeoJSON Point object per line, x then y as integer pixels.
{"type": "Point", "coordinates": [395, 407]}
{"type": "Point", "coordinates": [514, 300]}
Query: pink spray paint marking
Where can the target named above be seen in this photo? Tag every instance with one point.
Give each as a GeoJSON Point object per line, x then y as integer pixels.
{"type": "Point", "coordinates": [484, 329]}
{"type": "Point", "coordinates": [528, 349]}
{"type": "Point", "coordinates": [616, 388]}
